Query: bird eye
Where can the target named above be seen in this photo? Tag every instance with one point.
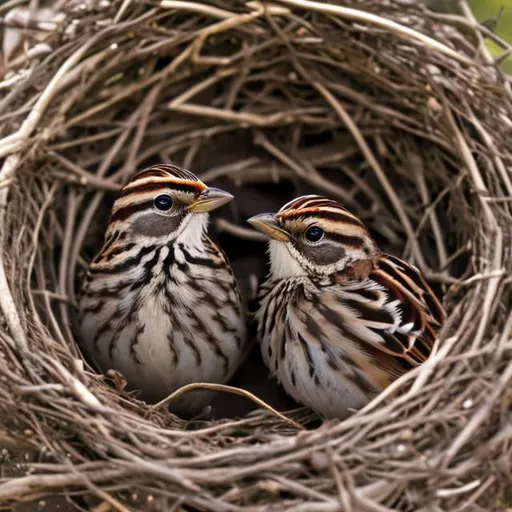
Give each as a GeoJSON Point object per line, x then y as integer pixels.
{"type": "Point", "coordinates": [163, 202]}
{"type": "Point", "coordinates": [314, 234]}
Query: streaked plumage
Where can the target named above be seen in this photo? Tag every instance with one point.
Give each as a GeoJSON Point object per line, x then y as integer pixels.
{"type": "Point", "coordinates": [339, 320]}
{"type": "Point", "coordinates": [160, 303]}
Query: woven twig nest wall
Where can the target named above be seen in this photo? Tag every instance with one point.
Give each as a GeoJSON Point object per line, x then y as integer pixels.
{"type": "Point", "coordinates": [394, 110]}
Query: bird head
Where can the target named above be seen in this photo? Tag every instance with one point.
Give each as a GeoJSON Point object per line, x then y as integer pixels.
{"type": "Point", "coordinates": [165, 202]}
{"type": "Point", "coordinates": [313, 235]}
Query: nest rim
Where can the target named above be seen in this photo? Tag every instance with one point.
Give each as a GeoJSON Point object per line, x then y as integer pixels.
{"type": "Point", "coordinates": [480, 151]}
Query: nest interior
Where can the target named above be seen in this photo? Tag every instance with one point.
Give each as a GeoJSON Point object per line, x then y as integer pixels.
{"type": "Point", "coordinates": [397, 111]}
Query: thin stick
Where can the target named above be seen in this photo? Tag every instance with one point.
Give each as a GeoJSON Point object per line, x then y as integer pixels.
{"type": "Point", "coordinates": [208, 10]}
{"type": "Point", "coordinates": [224, 225]}
{"type": "Point", "coordinates": [379, 21]}
{"type": "Point", "coordinates": [225, 389]}
{"type": "Point", "coordinates": [86, 178]}
{"type": "Point", "coordinates": [480, 415]}
{"type": "Point", "coordinates": [374, 164]}
{"type": "Point", "coordinates": [14, 142]}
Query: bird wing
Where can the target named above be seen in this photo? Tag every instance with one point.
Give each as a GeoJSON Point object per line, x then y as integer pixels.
{"type": "Point", "coordinates": [391, 315]}
{"type": "Point", "coordinates": [420, 312]}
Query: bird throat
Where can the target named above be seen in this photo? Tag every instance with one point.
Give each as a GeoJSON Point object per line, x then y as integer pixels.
{"type": "Point", "coordinates": [282, 263]}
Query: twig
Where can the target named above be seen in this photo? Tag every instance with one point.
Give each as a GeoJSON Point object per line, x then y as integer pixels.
{"type": "Point", "coordinates": [86, 177]}
{"type": "Point", "coordinates": [373, 19]}
{"type": "Point", "coordinates": [381, 175]}
{"type": "Point", "coordinates": [222, 225]}
{"type": "Point", "coordinates": [480, 415]}
{"type": "Point", "coordinates": [225, 389]}
{"type": "Point", "coordinates": [208, 10]}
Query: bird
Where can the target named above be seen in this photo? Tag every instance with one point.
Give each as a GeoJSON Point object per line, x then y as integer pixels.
{"type": "Point", "coordinates": [338, 320]}
{"type": "Point", "coordinates": [159, 303]}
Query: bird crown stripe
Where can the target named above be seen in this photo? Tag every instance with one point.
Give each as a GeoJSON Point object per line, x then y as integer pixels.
{"type": "Point", "coordinates": [167, 170]}
{"type": "Point", "coordinates": [330, 214]}
{"type": "Point", "coordinates": [163, 178]}
{"type": "Point", "coordinates": [303, 204]}
{"type": "Point", "coordinates": [163, 185]}
{"type": "Point", "coordinates": [296, 203]}
{"type": "Point", "coordinates": [150, 173]}
{"type": "Point", "coordinates": [137, 182]}
{"type": "Point", "coordinates": [322, 203]}
{"type": "Point", "coordinates": [311, 201]}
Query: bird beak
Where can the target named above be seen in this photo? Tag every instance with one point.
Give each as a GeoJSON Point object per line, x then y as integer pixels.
{"type": "Point", "coordinates": [267, 224]}
{"type": "Point", "coordinates": [210, 199]}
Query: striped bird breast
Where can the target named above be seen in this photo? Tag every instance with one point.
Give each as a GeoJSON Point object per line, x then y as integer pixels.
{"type": "Point", "coordinates": [163, 316]}
{"type": "Point", "coordinates": [311, 357]}
{"type": "Point", "coordinates": [327, 333]}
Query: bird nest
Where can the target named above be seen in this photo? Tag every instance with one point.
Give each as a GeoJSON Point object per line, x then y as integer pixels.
{"type": "Point", "coordinates": [398, 112]}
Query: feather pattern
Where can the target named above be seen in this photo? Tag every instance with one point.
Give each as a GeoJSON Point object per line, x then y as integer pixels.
{"type": "Point", "coordinates": [160, 302]}
{"type": "Point", "coordinates": [336, 331]}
